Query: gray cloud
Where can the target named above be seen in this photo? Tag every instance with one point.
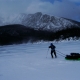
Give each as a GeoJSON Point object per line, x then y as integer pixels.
{"type": "Point", "coordinates": [64, 8]}
{"type": "Point", "coordinates": [8, 7]}
{"type": "Point", "coordinates": [75, 1]}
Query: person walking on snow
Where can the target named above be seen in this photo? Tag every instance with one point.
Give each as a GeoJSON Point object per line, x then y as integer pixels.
{"type": "Point", "coordinates": [53, 50]}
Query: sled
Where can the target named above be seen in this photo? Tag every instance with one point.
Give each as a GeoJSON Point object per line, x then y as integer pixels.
{"type": "Point", "coordinates": [73, 56]}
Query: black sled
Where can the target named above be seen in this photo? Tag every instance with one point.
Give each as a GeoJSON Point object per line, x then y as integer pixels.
{"type": "Point", "coordinates": [73, 56]}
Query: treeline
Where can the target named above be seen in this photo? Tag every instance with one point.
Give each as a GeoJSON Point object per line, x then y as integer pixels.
{"type": "Point", "coordinates": [70, 32]}
{"type": "Point", "coordinates": [63, 34]}
{"type": "Point", "coordinates": [15, 34]}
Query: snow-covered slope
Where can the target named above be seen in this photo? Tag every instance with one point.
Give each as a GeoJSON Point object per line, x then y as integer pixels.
{"type": "Point", "coordinates": [39, 21]}
{"type": "Point", "coordinates": [44, 21]}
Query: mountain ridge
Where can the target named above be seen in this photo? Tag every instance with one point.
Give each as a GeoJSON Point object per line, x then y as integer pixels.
{"type": "Point", "coordinates": [40, 21]}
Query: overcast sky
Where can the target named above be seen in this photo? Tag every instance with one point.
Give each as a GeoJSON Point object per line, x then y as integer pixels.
{"type": "Point", "coordinates": [62, 8]}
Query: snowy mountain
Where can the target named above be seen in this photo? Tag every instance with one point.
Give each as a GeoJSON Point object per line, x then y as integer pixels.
{"type": "Point", "coordinates": [36, 27]}
{"type": "Point", "coordinates": [46, 22]}
{"type": "Point", "coordinates": [40, 21]}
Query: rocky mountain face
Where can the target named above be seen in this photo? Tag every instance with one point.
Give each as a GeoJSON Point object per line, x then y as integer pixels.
{"type": "Point", "coordinates": [46, 22]}
{"type": "Point", "coordinates": [40, 21]}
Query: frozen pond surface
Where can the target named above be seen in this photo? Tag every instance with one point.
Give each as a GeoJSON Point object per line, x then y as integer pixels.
{"type": "Point", "coordinates": [33, 62]}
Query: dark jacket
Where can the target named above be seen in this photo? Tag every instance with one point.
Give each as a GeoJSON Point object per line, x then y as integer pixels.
{"type": "Point", "coordinates": [52, 47]}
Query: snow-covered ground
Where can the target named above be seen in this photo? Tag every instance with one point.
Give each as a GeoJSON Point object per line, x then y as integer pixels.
{"type": "Point", "coordinates": [33, 62]}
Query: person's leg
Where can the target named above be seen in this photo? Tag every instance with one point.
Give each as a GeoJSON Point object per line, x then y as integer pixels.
{"type": "Point", "coordinates": [55, 54]}
{"type": "Point", "coordinates": [52, 54]}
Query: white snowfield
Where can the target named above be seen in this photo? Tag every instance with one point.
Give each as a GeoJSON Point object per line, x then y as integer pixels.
{"type": "Point", "coordinates": [34, 62]}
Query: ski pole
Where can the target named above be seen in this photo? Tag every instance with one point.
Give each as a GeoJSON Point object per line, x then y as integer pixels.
{"type": "Point", "coordinates": [47, 53]}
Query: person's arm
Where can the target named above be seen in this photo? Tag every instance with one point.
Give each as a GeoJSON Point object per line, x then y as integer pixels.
{"type": "Point", "coordinates": [49, 46]}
